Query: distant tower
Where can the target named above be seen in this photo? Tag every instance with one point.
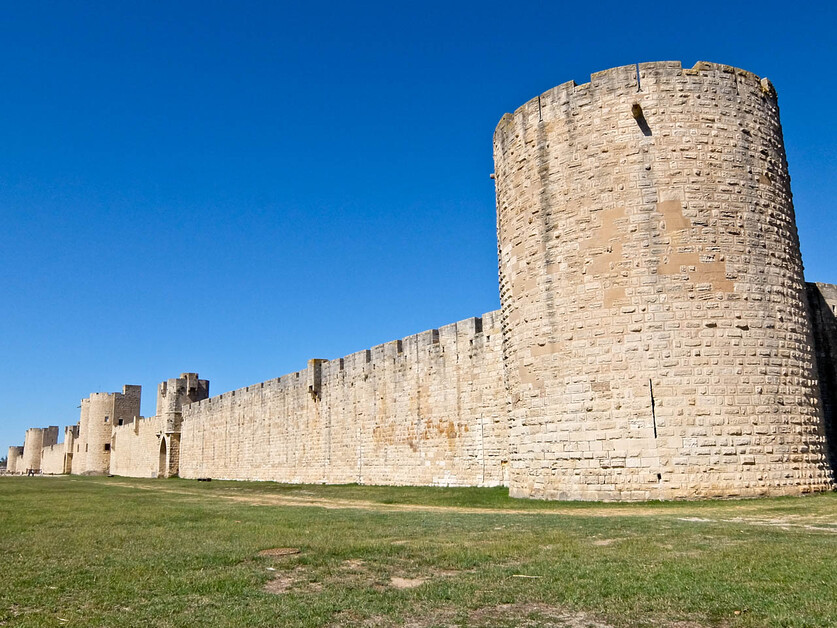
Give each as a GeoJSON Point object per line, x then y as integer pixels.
{"type": "Point", "coordinates": [14, 462]}
{"type": "Point", "coordinates": [36, 439]}
{"type": "Point", "coordinates": [99, 413]}
{"type": "Point", "coordinates": [172, 395]}
{"type": "Point", "coordinates": [656, 338]}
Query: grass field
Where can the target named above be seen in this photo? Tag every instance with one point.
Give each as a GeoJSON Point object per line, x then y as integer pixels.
{"type": "Point", "coordinates": [126, 552]}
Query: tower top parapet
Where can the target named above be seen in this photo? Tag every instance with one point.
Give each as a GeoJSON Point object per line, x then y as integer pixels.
{"type": "Point", "coordinates": [636, 79]}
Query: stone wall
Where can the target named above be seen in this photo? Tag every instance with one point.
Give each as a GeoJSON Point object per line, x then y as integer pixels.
{"type": "Point", "coordinates": [656, 332]}
{"type": "Point", "coordinates": [52, 459]}
{"type": "Point", "coordinates": [822, 298]}
{"type": "Point", "coordinates": [134, 449]}
{"type": "Point", "coordinates": [426, 410]}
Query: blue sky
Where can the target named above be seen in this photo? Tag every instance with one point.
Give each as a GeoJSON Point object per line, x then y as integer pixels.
{"type": "Point", "coordinates": [236, 187]}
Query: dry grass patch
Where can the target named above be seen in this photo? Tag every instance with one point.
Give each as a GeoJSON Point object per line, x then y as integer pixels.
{"type": "Point", "coordinates": [352, 573]}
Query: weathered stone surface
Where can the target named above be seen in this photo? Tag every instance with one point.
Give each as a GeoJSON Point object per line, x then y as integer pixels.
{"type": "Point", "coordinates": [653, 305]}
{"type": "Point", "coordinates": [427, 409]}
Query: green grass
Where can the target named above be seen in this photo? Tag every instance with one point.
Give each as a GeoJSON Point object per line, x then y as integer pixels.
{"type": "Point", "coordinates": [124, 552]}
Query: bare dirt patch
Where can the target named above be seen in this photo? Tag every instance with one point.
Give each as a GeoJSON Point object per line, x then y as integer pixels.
{"type": "Point", "coordinates": [280, 584]}
{"type": "Point", "coordinates": [352, 573]}
{"type": "Point", "coordinates": [295, 580]}
{"type": "Point", "coordinates": [605, 542]}
{"type": "Point", "coordinates": [406, 583]}
{"type": "Point", "coordinates": [278, 552]}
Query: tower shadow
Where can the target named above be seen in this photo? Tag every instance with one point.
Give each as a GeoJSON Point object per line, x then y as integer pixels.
{"type": "Point", "coordinates": [824, 323]}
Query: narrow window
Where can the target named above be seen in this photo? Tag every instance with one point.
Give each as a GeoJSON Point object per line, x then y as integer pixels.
{"type": "Point", "coordinates": [120, 421]}
{"type": "Point", "coordinates": [107, 419]}
{"type": "Point", "coordinates": [107, 446]}
{"type": "Point", "coordinates": [85, 447]}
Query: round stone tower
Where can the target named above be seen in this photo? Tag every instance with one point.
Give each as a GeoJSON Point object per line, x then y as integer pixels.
{"type": "Point", "coordinates": [656, 338]}
{"type": "Point", "coordinates": [99, 413]}
{"type": "Point", "coordinates": [33, 449]}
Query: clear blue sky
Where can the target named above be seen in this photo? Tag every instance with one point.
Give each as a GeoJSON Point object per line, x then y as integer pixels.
{"type": "Point", "coordinates": [235, 187]}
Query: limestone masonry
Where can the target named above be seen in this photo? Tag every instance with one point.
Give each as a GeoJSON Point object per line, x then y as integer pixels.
{"type": "Point", "coordinates": [656, 338]}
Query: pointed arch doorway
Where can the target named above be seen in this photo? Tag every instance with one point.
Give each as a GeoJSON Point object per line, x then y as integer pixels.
{"type": "Point", "coordinates": [162, 465]}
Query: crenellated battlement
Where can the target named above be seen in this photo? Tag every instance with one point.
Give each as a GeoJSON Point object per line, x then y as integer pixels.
{"type": "Point", "coordinates": [128, 390]}
{"type": "Point", "coordinates": [449, 338]}
{"type": "Point", "coordinates": [634, 82]}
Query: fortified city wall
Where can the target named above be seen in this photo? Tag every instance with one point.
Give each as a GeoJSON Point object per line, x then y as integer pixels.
{"type": "Point", "coordinates": [112, 438]}
{"type": "Point", "coordinates": [52, 459]}
{"type": "Point", "coordinates": [653, 305]}
{"type": "Point", "coordinates": [135, 447]}
{"type": "Point", "coordinates": [427, 410]}
{"type": "Point", "coordinates": [656, 339]}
